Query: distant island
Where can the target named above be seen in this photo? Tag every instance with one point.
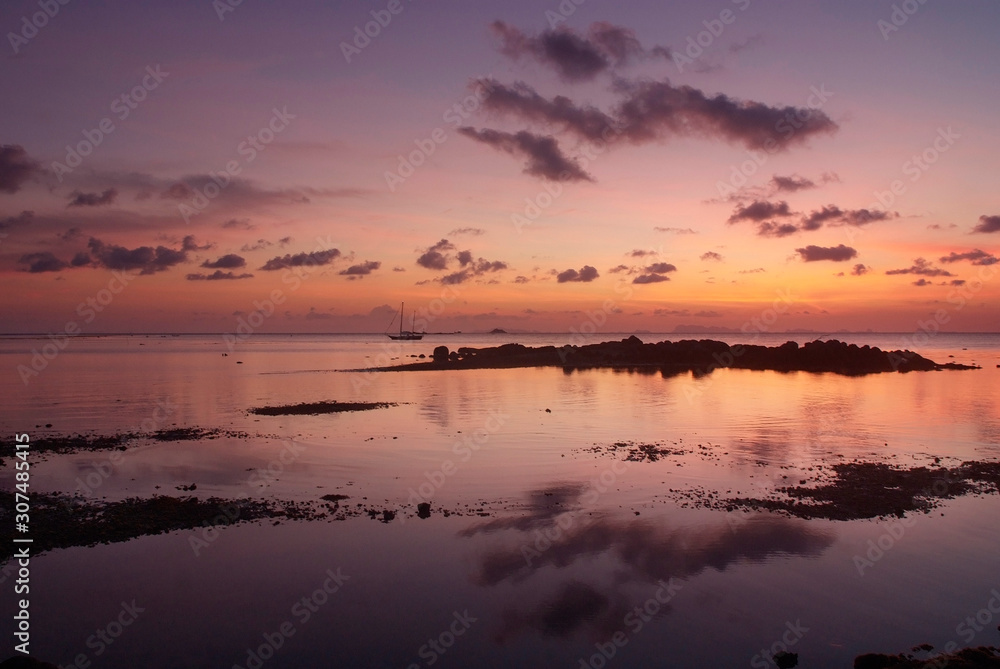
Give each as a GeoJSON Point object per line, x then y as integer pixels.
{"type": "Point", "coordinates": [498, 331]}
{"type": "Point", "coordinates": [698, 356]}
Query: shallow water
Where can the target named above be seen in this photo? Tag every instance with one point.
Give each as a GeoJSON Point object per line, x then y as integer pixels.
{"type": "Point", "coordinates": [573, 539]}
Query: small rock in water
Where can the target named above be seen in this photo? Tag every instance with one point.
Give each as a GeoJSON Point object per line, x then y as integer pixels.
{"type": "Point", "coordinates": [786, 660]}
{"type": "Point", "coordinates": [424, 510]}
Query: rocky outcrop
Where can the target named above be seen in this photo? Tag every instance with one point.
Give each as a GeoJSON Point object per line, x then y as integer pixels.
{"type": "Point", "coordinates": [698, 356]}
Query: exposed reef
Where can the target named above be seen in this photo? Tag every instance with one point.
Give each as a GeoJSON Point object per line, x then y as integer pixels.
{"type": "Point", "coordinates": [697, 356]}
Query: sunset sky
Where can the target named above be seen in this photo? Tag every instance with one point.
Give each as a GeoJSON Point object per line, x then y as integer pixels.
{"type": "Point", "coordinates": [173, 167]}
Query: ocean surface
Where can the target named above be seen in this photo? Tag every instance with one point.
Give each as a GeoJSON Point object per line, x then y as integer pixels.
{"type": "Point", "coordinates": [552, 539]}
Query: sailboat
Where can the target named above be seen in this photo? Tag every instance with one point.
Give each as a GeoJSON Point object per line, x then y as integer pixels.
{"type": "Point", "coordinates": [407, 335]}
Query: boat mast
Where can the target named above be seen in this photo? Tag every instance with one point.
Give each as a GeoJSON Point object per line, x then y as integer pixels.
{"type": "Point", "coordinates": [401, 305]}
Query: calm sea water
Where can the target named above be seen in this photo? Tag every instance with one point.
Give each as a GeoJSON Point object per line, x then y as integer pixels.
{"type": "Point", "coordinates": [574, 539]}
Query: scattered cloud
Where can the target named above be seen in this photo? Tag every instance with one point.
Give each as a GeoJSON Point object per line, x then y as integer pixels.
{"type": "Point", "coordinates": [190, 244]}
{"type": "Point", "coordinates": [575, 57]}
{"type": "Point", "coordinates": [80, 199]}
{"type": "Point", "coordinates": [860, 269]}
{"type": "Point", "coordinates": [228, 261]}
{"type": "Point", "coordinates": [660, 268]}
{"type": "Point", "coordinates": [475, 232]}
{"type": "Point", "coordinates": [16, 167]}
{"type": "Point", "coordinates": [647, 111]}
{"type": "Point", "coordinates": [773, 229]}
{"type": "Point", "coordinates": [24, 218]}
{"type": "Point", "coordinates": [472, 269]}
{"type": "Point", "coordinates": [256, 246]}
{"type": "Point", "coordinates": [650, 278]}
{"type": "Point", "coordinates": [988, 224]}
{"type": "Point", "coordinates": [433, 258]}
{"type": "Point", "coordinates": [756, 270]}
{"type": "Point", "coordinates": [146, 259]}
{"type": "Point", "coordinates": [586, 274]}
{"type": "Point", "coordinates": [921, 267]}
{"type": "Point", "coordinates": [711, 255]}
{"type": "Point", "coordinates": [362, 269]}
{"type": "Point", "coordinates": [838, 253]}
{"type": "Point", "coordinates": [43, 261]}
{"type": "Point", "coordinates": [791, 184]}
{"type": "Point", "coordinates": [760, 210]}
{"type": "Point", "coordinates": [314, 259]}
{"type": "Point", "coordinates": [218, 275]}
{"type": "Point", "coordinates": [976, 257]}
{"type": "Point", "coordinates": [545, 158]}
{"type": "Point", "coordinates": [676, 231]}
{"type": "Point", "coordinates": [239, 224]}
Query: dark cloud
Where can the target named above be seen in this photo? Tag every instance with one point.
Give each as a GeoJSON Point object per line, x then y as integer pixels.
{"type": "Point", "coordinates": [433, 258]}
{"type": "Point", "coordinates": [650, 278]}
{"type": "Point", "coordinates": [398, 269]}
{"type": "Point", "coordinates": [976, 257]}
{"type": "Point", "coordinates": [545, 158]}
{"type": "Point", "coordinates": [586, 274]}
{"type": "Point", "coordinates": [190, 244]}
{"type": "Point", "coordinates": [923, 282]}
{"type": "Point", "coordinates": [464, 258]}
{"type": "Point", "coordinates": [146, 259]}
{"type": "Point", "coordinates": [647, 111]}
{"type": "Point", "coordinates": [43, 261]}
{"type": "Point", "coordinates": [772, 229]}
{"type": "Point", "coordinates": [178, 191]}
{"type": "Point", "coordinates": [618, 269]}
{"type": "Point", "coordinates": [575, 57]}
{"type": "Point", "coordinates": [238, 224]}
{"type": "Point", "coordinates": [756, 270]}
{"type": "Point", "coordinates": [71, 235]}
{"type": "Point", "coordinates": [256, 246]}
{"type": "Point", "coordinates": [314, 259]}
{"type": "Point", "coordinates": [475, 232]}
{"type": "Point", "coordinates": [988, 224]}
{"type": "Point", "coordinates": [660, 268]}
{"type": "Point", "coordinates": [218, 275]}
{"type": "Point", "coordinates": [473, 268]}
{"type": "Point", "coordinates": [24, 218]}
{"type": "Point", "coordinates": [81, 259]}
{"type": "Point", "coordinates": [791, 184]}
{"type": "Point", "coordinates": [641, 253]}
{"type": "Point", "coordinates": [80, 199]}
{"type": "Point", "coordinates": [521, 279]}
{"type": "Point", "coordinates": [838, 253]}
{"type": "Point", "coordinates": [860, 269]}
{"type": "Point", "coordinates": [523, 102]}
{"type": "Point", "coordinates": [958, 282]}
{"type": "Point", "coordinates": [15, 168]}
{"type": "Point", "coordinates": [228, 261]}
{"type": "Point", "coordinates": [676, 231]}
{"type": "Point", "coordinates": [921, 267]}
{"type": "Point", "coordinates": [760, 210]}
{"type": "Point", "coordinates": [284, 241]}
{"type": "Point", "coordinates": [938, 226]}
{"type": "Point", "coordinates": [363, 269]}
{"type": "Point", "coordinates": [654, 110]}
{"type": "Point", "coordinates": [711, 255]}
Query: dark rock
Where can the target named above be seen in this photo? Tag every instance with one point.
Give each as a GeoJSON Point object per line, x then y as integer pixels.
{"type": "Point", "coordinates": [440, 353]}
{"type": "Point", "coordinates": [388, 516]}
{"type": "Point", "coordinates": [424, 510]}
{"type": "Point", "coordinates": [786, 660]}
{"type": "Point", "coordinates": [875, 661]}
